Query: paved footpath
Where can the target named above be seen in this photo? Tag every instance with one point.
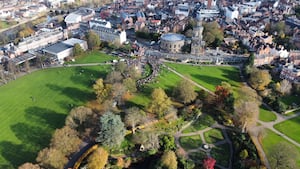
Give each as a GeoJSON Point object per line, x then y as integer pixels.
{"type": "Point", "coordinates": [201, 133]}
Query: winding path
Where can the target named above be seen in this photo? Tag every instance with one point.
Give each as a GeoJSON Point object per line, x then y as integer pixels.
{"type": "Point", "coordinates": [201, 133]}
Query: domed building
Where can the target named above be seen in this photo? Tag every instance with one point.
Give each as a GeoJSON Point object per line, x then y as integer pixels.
{"type": "Point", "coordinates": [172, 42]}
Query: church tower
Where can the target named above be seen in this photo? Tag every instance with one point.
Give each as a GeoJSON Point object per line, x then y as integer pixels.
{"type": "Point", "coordinates": [197, 46]}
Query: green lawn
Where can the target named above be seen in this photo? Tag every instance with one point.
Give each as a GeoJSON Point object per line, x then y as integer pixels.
{"type": "Point", "coordinates": [213, 136]}
{"type": "Point", "coordinates": [266, 115]}
{"type": "Point", "coordinates": [190, 142]}
{"type": "Point", "coordinates": [36, 104]}
{"type": "Point", "coordinates": [209, 76]}
{"type": "Point", "coordinates": [289, 100]}
{"type": "Point", "coordinates": [202, 122]}
{"type": "Point", "coordinates": [5, 24]}
{"type": "Point", "coordinates": [291, 128]}
{"type": "Point", "coordinates": [221, 154]}
{"type": "Point", "coordinates": [166, 80]}
{"type": "Point", "coordinates": [198, 157]}
{"type": "Point", "coordinates": [272, 139]}
{"type": "Point", "coordinates": [93, 57]}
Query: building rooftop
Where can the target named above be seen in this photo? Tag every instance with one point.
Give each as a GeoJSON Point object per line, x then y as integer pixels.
{"type": "Point", "coordinates": [57, 48]}
{"type": "Point", "coordinates": [172, 37]}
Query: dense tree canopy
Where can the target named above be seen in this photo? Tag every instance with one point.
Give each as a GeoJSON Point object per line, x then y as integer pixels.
{"type": "Point", "coordinates": [51, 158]}
{"type": "Point", "coordinates": [209, 163]}
{"type": "Point", "coordinates": [185, 92]}
{"type": "Point", "coordinates": [78, 116]}
{"type": "Point", "coordinates": [98, 159]}
{"type": "Point", "coordinates": [283, 156]}
{"type": "Point", "coordinates": [62, 138]}
{"type": "Point", "coordinates": [259, 79]}
{"type": "Point", "coordinates": [93, 40]}
{"type": "Point", "coordinates": [212, 34]}
{"type": "Point", "coordinates": [169, 160]}
{"type": "Point", "coordinates": [77, 50]}
{"type": "Point", "coordinates": [160, 102]}
{"type": "Point", "coordinates": [101, 90]}
{"type": "Point", "coordinates": [112, 130]}
{"type": "Point", "coordinates": [133, 117]}
{"type": "Point", "coordinates": [29, 166]}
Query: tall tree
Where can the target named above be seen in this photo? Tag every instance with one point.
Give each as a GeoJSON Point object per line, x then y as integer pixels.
{"type": "Point", "coordinates": [121, 67]}
{"type": "Point", "coordinates": [212, 33]}
{"type": "Point", "coordinates": [93, 40]}
{"type": "Point", "coordinates": [2, 75]}
{"type": "Point", "coordinates": [149, 140]}
{"type": "Point", "coordinates": [114, 77]}
{"type": "Point", "coordinates": [98, 159]}
{"type": "Point", "coordinates": [11, 68]}
{"type": "Point", "coordinates": [169, 160]}
{"type": "Point", "coordinates": [101, 90]}
{"type": "Point", "coordinates": [285, 87]}
{"type": "Point", "coordinates": [209, 163]}
{"type": "Point", "coordinates": [185, 91]}
{"type": "Point", "coordinates": [133, 117]}
{"type": "Point", "coordinates": [29, 166]}
{"type": "Point", "coordinates": [259, 79]}
{"type": "Point", "coordinates": [27, 66]}
{"type": "Point", "coordinates": [160, 102]}
{"type": "Point", "coordinates": [51, 158]}
{"type": "Point", "coordinates": [283, 156]}
{"type": "Point", "coordinates": [246, 114]}
{"type": "Point", "coordinates": [62, 138]}
{"type": "Point", "coordinates": [78, 116]}
{"type": "Point", "coordinates": [112, 130]}
{"type": "Point", "coordinates": [77, 50]}
{"type": "Point", "coordinates": [118, 91]}
{"type": "Point", "coordinates": [130, 85]}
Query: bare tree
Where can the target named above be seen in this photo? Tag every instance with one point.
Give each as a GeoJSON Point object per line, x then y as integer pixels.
{"type": "Point", "coordinates": [246, 114]}
{"type": "Point", "coordinates": [2, 75]}
{"type": "Point", "coordinates": [114, 77]}
{"type": "Point", "coordinates": [11, 67]}
{"type": "Point", "coordinates": [29, 166]}
{"type": "Point", "coordinates": [78, 116]}
{"type": "Point", "coordinates": [27, 66]}
{"type": "Point", "coordinates": [133, 117]}
{"type": "Point", "coordinates": [285, 87]}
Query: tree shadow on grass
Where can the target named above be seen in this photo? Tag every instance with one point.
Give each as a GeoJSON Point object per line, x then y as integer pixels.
{"type": "Point", "coordinates": [73, 93]}
{"type": "Point", "coordinates": [87, 76]}
{"type": "Point", "coordinates": [33, 137]}
{"type": "Point", "coordinates": [209, 80]}
{"type": "Point", "coordinates": [45, 117]}
{"type": "Point", "coordinates": [16, 154]}
{"type": "Point", "coordinates": [232, 75]}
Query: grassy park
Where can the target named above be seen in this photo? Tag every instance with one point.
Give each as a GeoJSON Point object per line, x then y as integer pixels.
{"type": "Point", "coordinates": [221, 154]}
{"type": "Point", "coordinates": [201, 123]}
{"type": "Point", "coordinates": [209, 76]}
{"type": "Point", "coordinates": [93, 57]}
{"type": "Point", "coordinates": [272, 139]}
{"type": "Point", "coordinates": [213, 136]}
{"type": "Point", "coordinates": [266, 115]}
{"type": "Point", "coordinates": [291, 128]}
{"type": "Point", "coordinates": [190, 142]}
{"type": "Point", "coordinates": [33, 106]}
{"type": "Point", "coordinates": [167, 80]}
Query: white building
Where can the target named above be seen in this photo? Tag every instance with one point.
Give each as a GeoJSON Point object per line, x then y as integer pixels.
{"type": "Point", "coordinates": [231, 13]}
{"type": "Point", "coordinates": [57, 3]}
{"type": "Point", "coordinates": [99, 22]}
{"type": "Point", "coordinates": [40, 39]}
{"type": "Point", "coordinates": [61, 50]}
{"type": "Point", "coordinates": [207, 13]}
{"type": "Point", "coordinates": [110, 35]}
{"type": "Point", "coordinates": [81, 15]}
